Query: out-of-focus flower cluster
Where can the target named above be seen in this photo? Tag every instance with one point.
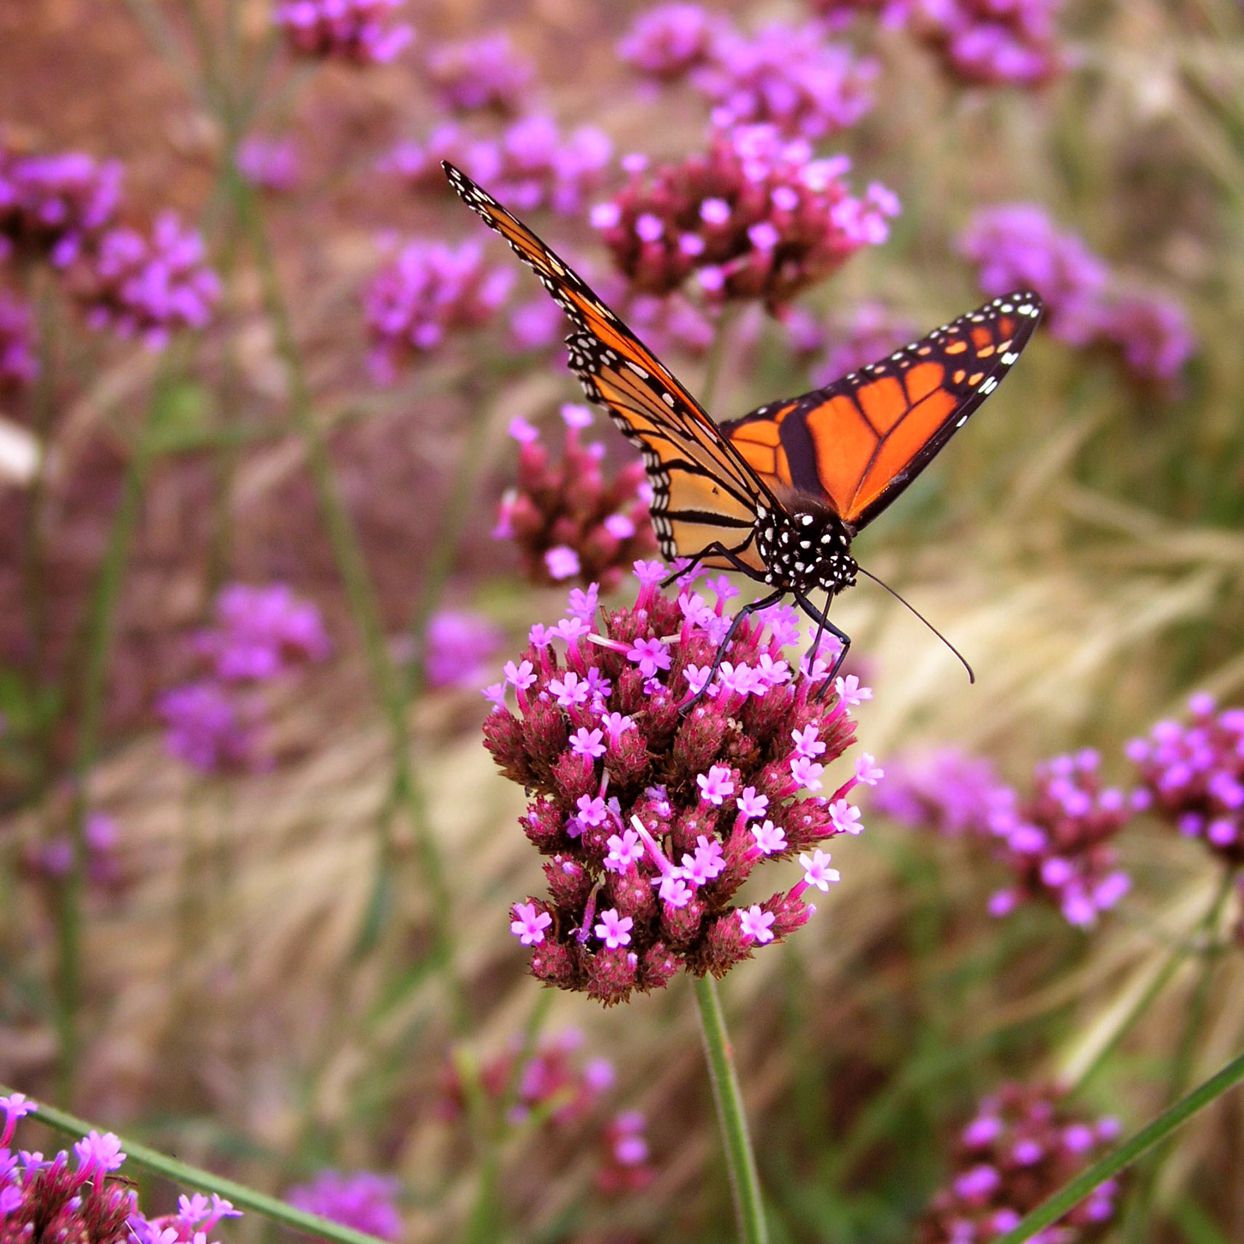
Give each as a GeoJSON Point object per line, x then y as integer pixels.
{"type": "Point", "coordinates": [1192, 775]}
{"type": "Point", "coordinates": [845, 342]}
{"type": "Point", "coordinates": [258, 634]}
{"type": "Point", "coordinates": [948, 790]}
{"type": "Point", "coordinates": [568, 518]}
{"type": "Point", "coordinates": [1087, 304]}
{"type": "Point", "coordinates": [363, 1200]}
{"type": "Point", "coordinates": [1023, 1145]}
{"type": "Point", "coordinates": [63, 209]}
{"type": "Point", "coordinates": [755, 217]}
{"type": "Point", "coordinates": [654, 808]}
{"type": "Point", "coordinates": [426, 291]}
{"type": "Point", "coordinates": [271, 163]}
{"type": "Point", "coordinates": [461, 645]}
{"type": "Point", "coordinates": [361, 32]}
{"type": "Point", "coordinates": [531, 165]}
{"type": "Point", "coordinates": [18, 366]}
{"type": "Point", "coordinates": [53, 857]}
{"type": "Point", "coordinates": [487, 74]}
{"type": "Point", "coordinates": [75, 1198]}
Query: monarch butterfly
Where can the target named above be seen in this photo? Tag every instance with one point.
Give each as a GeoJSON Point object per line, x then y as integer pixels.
{"type": "Point", "coordinates": [780, 493]}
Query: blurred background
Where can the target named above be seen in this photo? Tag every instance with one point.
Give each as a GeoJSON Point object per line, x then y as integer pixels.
{"type": "Point", "coordinates": [273, 514]}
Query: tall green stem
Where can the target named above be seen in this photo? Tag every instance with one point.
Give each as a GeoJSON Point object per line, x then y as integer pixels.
{"type": "Point", "coordinates": [731, 1119]}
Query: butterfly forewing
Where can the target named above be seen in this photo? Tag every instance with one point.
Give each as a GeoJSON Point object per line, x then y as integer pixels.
{"type": "Point", "coordinates": [857, 443]}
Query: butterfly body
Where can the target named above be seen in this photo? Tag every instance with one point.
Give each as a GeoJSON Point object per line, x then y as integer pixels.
{"type": "Point", "coordinates": [779, 493]}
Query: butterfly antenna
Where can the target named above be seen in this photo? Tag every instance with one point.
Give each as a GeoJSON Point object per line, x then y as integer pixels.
{"type": "Point", "coordinates": [913, 609]}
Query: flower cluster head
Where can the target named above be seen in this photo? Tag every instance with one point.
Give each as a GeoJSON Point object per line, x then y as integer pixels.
{"type": "Point", "coordinates": [755, 217]}
{"type": "Point", "coordinates": [987, 43]}
{"type": "Point", "coordinates": [1087, 304]}
{"type": "Point", "coordinates": [148, 286]}
{"type": "Point", "coordinates": [1192, 775]}
{"type": "Point", "coordinates": [1059, 841]}
{"type": "Point", "coordinates": [272, 164]}
{"type": "Point", "coordinates": [1023, 1145]}
{"type": "Point", "coordinates": [790, 77]}
{"type": "Point", "coordinates": [52, 858]}
{"type": "Point", "coordinates": [949, 791]}
{"type": "Point", "coordinates": [668, 42]}
{"type": "Point", "coordinates": [570, 519]}
{"type": "Point", "coordinates": [427, 291]}
{"type": "Point", "coordinates": [627, 1165]}
{"type": "Point", "coordinates": [361, 32]}
{"type": "Point", "coordinates": [363, 1200]}
{"type": "Point", "coordinates": [487, 74]}
{"type": "Point", "coordinates": [533, 164]}
{"type": "Point", "coordinates": [74, 1198]}
{"type": "Point", "coordinates": [258, 634]}
{"type": "Point", "coordinates": [870, 331]}
{"type": "Point", "coordinates": [840, 13]}
{"type": "Point", "coordinates": [460, 647]}
{"type": "Point", "coordinates": [659, 783]}
{"type": "Point", "coordinates": [17, 358]}
{"type": "Point", "coordinates": [54, 206]}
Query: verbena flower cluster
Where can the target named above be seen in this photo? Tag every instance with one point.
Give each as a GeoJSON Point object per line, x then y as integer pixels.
{"type": "Point", "coordinates": [1087, 304]}
{"type": "Point", "coordinates": [654, 808]}
{"type": "Point", "coordinates": [258, 634]}
{"type": "Point", "coordinates": [533, 164]}
{"type": "Point", "coordinates": [427, 291]}
{"type": "Point", "coordinates": [987, 43]}
{"type": "Point", "coordinates": [52, 858]}
{"type": "Point", "coordinates": [1023, 1145]}
{"type": "Point", "coordinates": [361, 32]}
{"type": "Point", "coordinates": [627, 1165]}
{"type": "Point", "coordinates": [1192, 775]}
{"type": "Point", "coordinates": [667, 42]}
{"type": "Point", "coordinates": [76, 1198]}
{"type": "Point", "coordinates": [847, 341]}
{"type": "Point", "coordinates": [460, 647]}
{"type": "Point", "coordinates": [363, 1200]}
{"type": "Point", "coordinates": [487, 74]}
{"type": "Point", "coordinates": [271, 163]}
{"type": "Point", "coordinates": [948, 790]}
{"type": "Point", "coordinates": [755, 217]}
{"type": "Point", "coordinates": [568, 517]}
{"type": "Point", "coordinates": [63, 209]}
{"type": "Point", "coordinates": [18, 366]}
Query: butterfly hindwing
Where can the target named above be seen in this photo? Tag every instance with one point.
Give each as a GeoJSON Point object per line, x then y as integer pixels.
{"type": "Point", "coordinates": [704, 492]}
{"type": "Point", "coordinates": [857, 443]}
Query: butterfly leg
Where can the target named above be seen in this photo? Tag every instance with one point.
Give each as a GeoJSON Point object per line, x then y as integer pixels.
{"type": "Point", "coordinates": [823, 624]}
{"type": "Point", "coordinates": [763, 603]}
{"type": "Point", "coordinates": [716, 549]}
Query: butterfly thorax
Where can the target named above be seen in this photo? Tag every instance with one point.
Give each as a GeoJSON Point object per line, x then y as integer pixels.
{"type": "Point", "coordinates": [805, 548]}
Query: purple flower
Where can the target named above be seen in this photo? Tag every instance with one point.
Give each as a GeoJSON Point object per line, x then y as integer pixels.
{"type": "Point", "coordinates": [648, 842]}
{"type": "Point", "coordinates": [148, 286]}
{"type": "Point", "coordinates": [270, 163]}
{"type": "Point", "coordinates": [481, 75]}
{"type": "Point", "coordinates": [359, 1199]}
{"type": "Point", "coordinates": [53, 857]}
{"type": "Point", "coordinates": [984, 42]}
{"type": "Point", "coordinates": [839, 13]}
{"type": "Point", "coordinates": [359, 31]}
{"type": "Point", "coordinates": [55, 206]}
{"type": "Point", "coordinates": [848, 342]}
{"type": "Point", "coordinates": [666, 42]}
{"type": "Point", "coordinates": [461, 645]}
{"type": "Point", "coordinates": [788, 77]}
{"type": "Point", "coordinates": [207, 728]}
{"type": "Point", "coordinates": [756, 217]}
{"type": "Point", "coordinates": [1151, 333]}
{"type": "Point", "coordinates": [428, 290]}
{"type": "Point", "coordinates": [259, 632]}
{"type": "Point", "coordinates": [1023, 1145]}
{"type": "Point", "coordinates": [17, 360]}
{"type": "Point", "coordinates": [1192, 776]}
{"type": "Point", "coordinates": [627, 1166]}
{"type": "Point", "coordinates": [949, 791]}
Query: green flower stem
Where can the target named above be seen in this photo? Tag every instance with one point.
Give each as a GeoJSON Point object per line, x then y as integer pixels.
{"type": "Point", "coordinates": [1162, 1127]}
{"type": "Point", "coordinates": [740, 1161]}
{"type": "Point", "coordinates": [195, 1177]}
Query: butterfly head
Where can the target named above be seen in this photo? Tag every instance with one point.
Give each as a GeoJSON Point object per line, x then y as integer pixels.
{"type": "Point", "coordinates": [805, 548]}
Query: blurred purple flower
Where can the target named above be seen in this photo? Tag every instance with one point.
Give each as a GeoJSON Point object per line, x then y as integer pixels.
{"type": "Point", "coordinates": [461, 645]}
{"type": "Point", "coordinates": [53, 858]}
{"type": "Point", "coordinates": [627, 1166]}
{"type": "Point", "coordinates": [756, 217]}
{"type": "Point", "coordinates": [533, 165]}
{"type": "Point", "coordinates": [148, 287]}
{"type": "Point", "coordinates": [667, 42]}
{"type": "Point", "coordinates": [1152, 333]}
{"type": "Point", "coordinates": [53, 206]}
{"type": "Point", "coordinates": [487, 74]}
{"type": "Point", "coordinates": [788, 77]}
{"type": "Point", "coordinates": [869, 332]}
{"type": "Point", "coordinates": [270, 163]}
{"type": "Point", "coordinates": [1023, 1146]}
{"type": "Point", "coordinates": [839, 13]}
{"type": "Point", "coordinates": [948, 790]}
{"type": "Point", "coordinates": [360, 31]}
{"type": "Point", "coordinates": [18, 366]}
{"type": "Point", "coordinates": [1193, 776]}
{"type": "Point", "coordinates": [653, 817]}
{"type": "Point", "coordinates": [360, 1199]}
{"type": "Point", "coordinates": [1059, 841]}
{"type": "Point", "coordinates": [261, 631]}
{"type": "Point", "coordinates": [204, 727]}
{"type": "Point", "coordinates": [992, 42]}
{"type": "Point", "coordinates": [568, 518]}
{"type": "Point", "coordinates": [427, 290]}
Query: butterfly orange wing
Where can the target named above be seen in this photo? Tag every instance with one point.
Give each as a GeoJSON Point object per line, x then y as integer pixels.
{"type": "Point", "coordinates": [704, 492]}
{"type": "Point", "coordinates": [857, 443]}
